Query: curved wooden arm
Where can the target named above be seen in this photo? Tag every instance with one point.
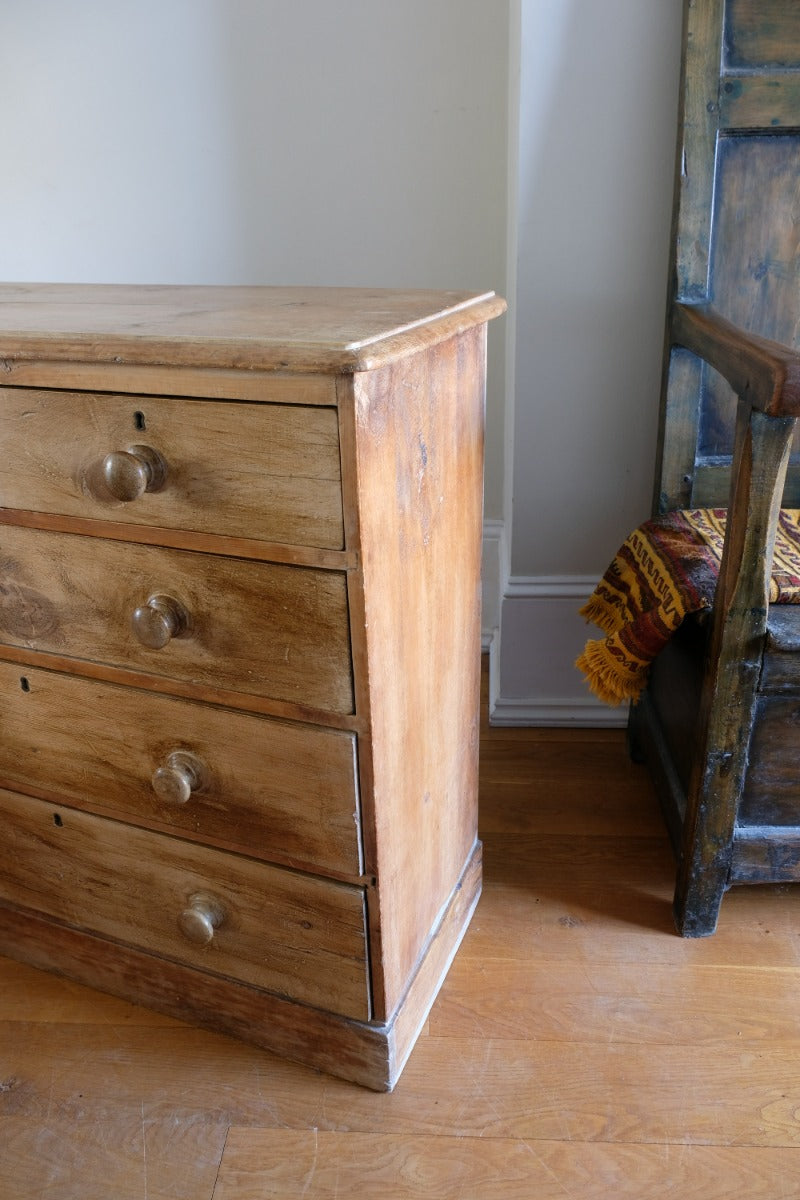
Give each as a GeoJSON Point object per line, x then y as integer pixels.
{"type": "Point", "coordinates": [764, 373]}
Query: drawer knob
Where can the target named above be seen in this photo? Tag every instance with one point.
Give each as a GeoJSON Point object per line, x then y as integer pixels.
{"type": "Point", "coordinates": [158, 621]}
{"type": "Point", "coordinates": [203, 916]}
{"type": "Point", "coordinates": [128, 474]}
{"type": "Point", "coordinates": [180, 777]}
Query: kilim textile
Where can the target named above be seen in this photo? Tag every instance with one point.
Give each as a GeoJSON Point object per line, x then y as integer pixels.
{"type": "Point", "coordinates": [665, 570]}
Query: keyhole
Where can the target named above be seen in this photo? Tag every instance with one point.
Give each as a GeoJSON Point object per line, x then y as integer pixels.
{"type": "Point", "coordinates": [57, 820]}
{"type": "Point", "coordinates": [24, 684]}
{"type": "Point", "coordinates": [138, 420]}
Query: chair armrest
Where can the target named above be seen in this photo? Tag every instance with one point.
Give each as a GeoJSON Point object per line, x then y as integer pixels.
{"type": "Point", "coordinates": [765, 373]}
{"type": "Point", "coordinates": [766, 377]}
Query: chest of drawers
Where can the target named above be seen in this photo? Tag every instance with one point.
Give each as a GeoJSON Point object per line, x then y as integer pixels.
{"type": "Point", "coordinates": [240, 538]}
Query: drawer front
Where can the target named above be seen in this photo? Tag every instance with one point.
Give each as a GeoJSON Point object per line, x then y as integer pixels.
{"type": "Point", "coordinates": [292, 934]}
{"type": "Point", "coordinates": [264, 471]}
{"type": "Point", "coordinates": [223, 776]}
{"type": "Point", "coordinates": [258, 628]}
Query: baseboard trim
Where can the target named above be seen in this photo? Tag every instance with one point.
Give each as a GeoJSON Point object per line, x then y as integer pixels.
{"type": "Point", "coordinates": [557, 713]}
{"type": "Point", "coordinates": [550, 587]}
{"type": "Point", "coordinates": [532, 675]}
{"type": "Point", "coordinates": [492, 557]}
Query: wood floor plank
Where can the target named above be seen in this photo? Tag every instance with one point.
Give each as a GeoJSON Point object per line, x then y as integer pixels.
{"type": "Point", "coordinates": [626, 925]}
{"type": "Point", "coordinates": [286, 1165]}
{"type": "Point", "coordinates": [129, 1157]}
{"type": "Point", "coordinates": [461, 1087]}
{"type": "Point", "coordinates": [564, 805]}
{"type": "Point", "coordinates": [617, 1002]}
{"type": "Point", "coordinates": [610, 899]}
{"type": "Point", "coordinates": [537, 858]}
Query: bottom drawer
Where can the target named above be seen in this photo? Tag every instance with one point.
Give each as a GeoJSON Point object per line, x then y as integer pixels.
{"type": "Point", "coordinates": [292, 934]}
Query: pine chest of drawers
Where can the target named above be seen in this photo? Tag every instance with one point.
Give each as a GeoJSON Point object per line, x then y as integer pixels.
{"type": "Point", "coordinates": [240, 538]}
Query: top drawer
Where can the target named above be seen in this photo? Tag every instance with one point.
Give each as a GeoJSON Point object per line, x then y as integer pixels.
{"type": "Point", "coordinates": [265, 471]}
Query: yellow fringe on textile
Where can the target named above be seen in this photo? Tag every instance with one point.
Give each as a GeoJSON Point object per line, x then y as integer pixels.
{"type": "Point", "coordinates": [609, 672]}
{"type": "Point", "coordinates": [643, 579]}
{"type": "Point", "coordinates": [601, 614]}
{"type": "Point", "coordinates": [604, 677]}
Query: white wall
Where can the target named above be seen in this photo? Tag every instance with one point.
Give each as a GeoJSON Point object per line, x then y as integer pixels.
{"type": "Point", "coordinates": [259, 141]}
{"type": "Point", "coordinates": [592, 189]}
{"type": "Point", "coordinates": [367, 142]}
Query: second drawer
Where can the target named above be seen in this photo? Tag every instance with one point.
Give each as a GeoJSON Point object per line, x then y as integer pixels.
{"type": "Point", "coordinates": [263, 629]}
{"type": "Point", "coordinates": [225, 776]}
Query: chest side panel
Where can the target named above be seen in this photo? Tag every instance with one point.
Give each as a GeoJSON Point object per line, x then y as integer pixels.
{"type": "Point", "coordinates": [419, 447]}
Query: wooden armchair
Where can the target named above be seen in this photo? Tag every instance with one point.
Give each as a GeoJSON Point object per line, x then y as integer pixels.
{"type": "Point", "coordinates": [719, 724]}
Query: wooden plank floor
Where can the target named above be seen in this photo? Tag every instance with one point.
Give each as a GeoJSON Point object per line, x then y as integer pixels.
{"type": "Point", "coordinates": [579, 1048]}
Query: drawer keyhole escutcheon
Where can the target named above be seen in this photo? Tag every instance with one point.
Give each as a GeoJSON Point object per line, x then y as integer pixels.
{"type": "Point", "coordinates": [128, 474]}
{"type": "Point", "coordinates": [203, 916]}
{"type": "Point", "coordinates": [180, 777]}
{"type": "Point", "coordinates": [158, 621]}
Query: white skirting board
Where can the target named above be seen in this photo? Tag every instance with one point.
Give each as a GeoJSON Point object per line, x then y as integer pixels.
{"type": "Point", "coordinates": [492, 575]}
{"type": "Point", "coordinates": [539, 634]}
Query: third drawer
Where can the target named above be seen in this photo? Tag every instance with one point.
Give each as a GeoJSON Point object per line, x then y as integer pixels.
{"type": "Point", "coordinates": [271, 788]}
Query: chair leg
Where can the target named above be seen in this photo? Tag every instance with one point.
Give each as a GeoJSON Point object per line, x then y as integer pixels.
{"type": "Point", "coordinates": [728, 701]}
{"type": "Point", "coordinates": [698, 896]}
{"type": "Point", "coordinates": [700, 826]}
{"type": "Point", "coordinates": [707, 844]}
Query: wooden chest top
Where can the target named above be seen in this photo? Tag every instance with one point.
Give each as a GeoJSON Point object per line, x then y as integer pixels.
{"type": "Point", "coordinates": [337, 330]}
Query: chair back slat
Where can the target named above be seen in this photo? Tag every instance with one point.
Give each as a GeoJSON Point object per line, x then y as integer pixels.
{"type": "Point", "coordinates": [736, 223]}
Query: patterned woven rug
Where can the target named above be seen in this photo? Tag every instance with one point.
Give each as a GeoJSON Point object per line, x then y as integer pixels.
{"type": "Point", "coordinates": [665, 570]}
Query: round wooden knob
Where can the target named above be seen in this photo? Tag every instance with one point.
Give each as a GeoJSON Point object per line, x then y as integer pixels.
{"type": "Point", "coordinates": [201, 918]}
{"type": "Point", "coordinates": [158, 621]}
{"type": "Point", "coordinates": [128, 474]}
{"type": "Point", "coordinates": [179, 778]}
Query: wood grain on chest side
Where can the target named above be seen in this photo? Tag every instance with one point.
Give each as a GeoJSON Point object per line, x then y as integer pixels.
{"type": "Point", "coordinates": [418, 433]}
